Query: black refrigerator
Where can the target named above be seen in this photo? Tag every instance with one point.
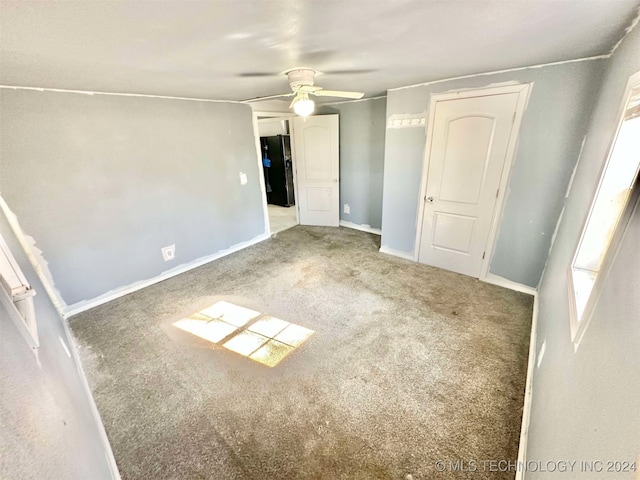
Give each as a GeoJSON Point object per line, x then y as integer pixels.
{"type": "Point", "coordinates": [278, 175]}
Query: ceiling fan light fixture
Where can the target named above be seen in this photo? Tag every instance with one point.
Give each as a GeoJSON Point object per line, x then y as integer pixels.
{"type": "Point", "coordinates": [303, 106]}
{"type": "Point", "coordinates": [301, 84]}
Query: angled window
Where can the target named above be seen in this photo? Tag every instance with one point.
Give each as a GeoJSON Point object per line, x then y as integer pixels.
{"type": "Point", "coordinates": [611, 209]}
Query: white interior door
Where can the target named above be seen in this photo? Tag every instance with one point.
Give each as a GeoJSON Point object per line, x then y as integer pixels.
{"type": "Point", "coordinates": [469, 146]}
{"type": "Point", "coordinates": [317, 165]}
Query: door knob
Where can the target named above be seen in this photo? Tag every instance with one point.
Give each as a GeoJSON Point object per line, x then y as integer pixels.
{"type": "Point", "coordinates": [428, 199]}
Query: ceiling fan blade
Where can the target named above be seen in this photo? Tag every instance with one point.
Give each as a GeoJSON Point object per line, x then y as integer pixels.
{"type": "Point", "coordinates": [338, 93]}
{"type": "Point", "coordinates": [349, 72]}
{"type": "Point", "coordinates": [307, 89]}
{"type": "Point", "coordinates": [269, 97]}
{"type": "Point", "coordinates": [256, 74]}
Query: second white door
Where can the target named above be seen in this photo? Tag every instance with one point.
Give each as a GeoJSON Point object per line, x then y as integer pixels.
{"type": "Point", "coordinates": [469, 146]}
{"type": "Point", "coordinates": [317, 167]}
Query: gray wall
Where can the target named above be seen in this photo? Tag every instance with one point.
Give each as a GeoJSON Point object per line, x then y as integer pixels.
{"type": "Point", "coordinates": [362, 132]}
{"type": "Point", "coordinates": [47, 430]}
{"type": "Point", "coordinates": [586, 403]}
{"type": "Point", "coordinates": [103, 182]}
{"type": "Point", "coordinates": [550, 137]}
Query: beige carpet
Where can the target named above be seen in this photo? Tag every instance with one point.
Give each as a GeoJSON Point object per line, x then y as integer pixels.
{"type": "Point", "coordinates": [409, 365]}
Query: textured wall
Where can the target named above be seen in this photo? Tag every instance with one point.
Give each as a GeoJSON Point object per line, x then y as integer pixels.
{"type": "Point", "coordinates": [47, 430]}
{"type": "Point", "coordinates": [103, 182]}
{"type": "Point", "coordinates": [549, 143]}
{"type": "Point", "coordinates": [362, 137]}
{"type": "Point", "coordinates": [585, 403]}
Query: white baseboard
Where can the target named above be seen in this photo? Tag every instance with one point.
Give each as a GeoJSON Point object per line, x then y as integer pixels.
{"type": "Point", "coordinates": [503, 282]}
{"type": "Point", "coordinates": [120, 292]}
{"type": "Point", "coordinates": [108, 451]}
{"type": "Point", "coordinates": [528, 394]}
{"type": "Point", "coordinates": [396, 253]}
{"type": "Point", "coordinates": [362, 228]}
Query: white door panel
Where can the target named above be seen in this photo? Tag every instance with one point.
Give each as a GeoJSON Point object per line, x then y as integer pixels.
{"type": "Point", "coordinates": [317, 164]}
{"type": "Point", "coordinates": [469, 146]}
{"type": "Point", "coordinates": [319, 199]}
{"type": "Point", "coordinates": [317, 153]}
{"type": "Point", "coordinates": [453, 232]}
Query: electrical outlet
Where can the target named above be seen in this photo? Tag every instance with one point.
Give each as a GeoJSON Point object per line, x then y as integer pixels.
{"type": "Point", "coordinates": [347, 208]}
{"type": "Point", "coordinates": [168, 253]}
{"type": "Point", "coordinates": [243, 178]}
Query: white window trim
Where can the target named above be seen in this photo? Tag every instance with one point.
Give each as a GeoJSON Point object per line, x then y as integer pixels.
{"type": "Point", "coordinates": [579, 325]}
{"type": "Point", "coordinates": [18, 302]}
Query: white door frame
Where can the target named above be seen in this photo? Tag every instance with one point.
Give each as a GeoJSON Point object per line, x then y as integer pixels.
{"type": "Point", "coordinates": [256, 132]}
{"type": "Point", "coordinates": [523, 91]}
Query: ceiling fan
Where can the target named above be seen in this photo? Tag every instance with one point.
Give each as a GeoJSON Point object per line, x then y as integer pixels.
{"type": "Point", "coordinates": [301, 81]}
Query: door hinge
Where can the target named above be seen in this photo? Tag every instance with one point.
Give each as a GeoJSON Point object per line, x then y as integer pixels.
{"type": "Point", "coordinates": [513, 120]}
{"type": "Point", "coordinates": [497, 192]}
{"type": "Point", "coordinates": [483, 254]}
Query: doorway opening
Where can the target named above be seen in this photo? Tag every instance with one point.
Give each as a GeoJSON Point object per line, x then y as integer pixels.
{"type": "Point", "coordinates": [273, 134]}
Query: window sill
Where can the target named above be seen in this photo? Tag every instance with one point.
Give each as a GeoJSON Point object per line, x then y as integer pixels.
{"type": "Point", "coordinates": [581, 286]}
{"type": "Point", "coordinates": [22, 314]}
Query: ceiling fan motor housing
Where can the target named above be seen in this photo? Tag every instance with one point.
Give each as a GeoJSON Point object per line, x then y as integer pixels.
{"type": "Point", "coordinates": [300, 77]}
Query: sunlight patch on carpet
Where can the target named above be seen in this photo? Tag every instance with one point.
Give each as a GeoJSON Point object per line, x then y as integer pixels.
{"type": "Point", "coordinates": [230, 313]}
{"type": "Point", "coordinates": [211, 330]}
{"type": "Point", "coordinates": [252, 334]}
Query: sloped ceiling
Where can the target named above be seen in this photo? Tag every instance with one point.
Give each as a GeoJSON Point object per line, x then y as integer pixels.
{"type": "Point", "coordinates": [210, 49]}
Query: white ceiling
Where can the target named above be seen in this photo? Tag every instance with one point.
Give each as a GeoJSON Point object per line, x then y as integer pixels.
{"type": "Point", "coordinates": [201, 49]}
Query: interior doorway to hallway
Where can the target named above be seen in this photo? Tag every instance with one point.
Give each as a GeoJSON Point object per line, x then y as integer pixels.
{"type": "Point", "coordinates": [281, 218]}
{"type": "Point", "coordinates": [276, 152]}
{"type": "Point", "coordinates": [299, 161]}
